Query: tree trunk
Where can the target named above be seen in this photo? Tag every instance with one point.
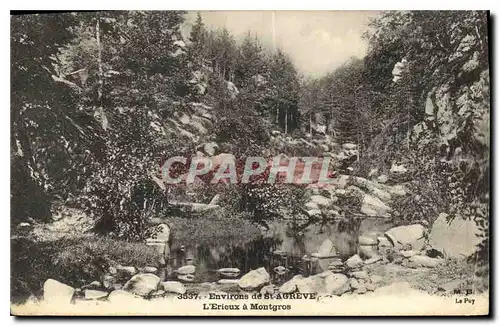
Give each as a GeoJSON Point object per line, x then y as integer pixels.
{"type": "Point", "coordinates": [104, 120]}
{"type": "Point", "coordinates": [286, 120]}
{"type": "Point", "coordinates": [99, 63]}
{"type": "Point", "coordinates": [310, 123]}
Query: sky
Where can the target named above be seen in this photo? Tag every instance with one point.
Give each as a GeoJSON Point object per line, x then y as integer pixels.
{"type": "Point", "coordinates": [316, 41]}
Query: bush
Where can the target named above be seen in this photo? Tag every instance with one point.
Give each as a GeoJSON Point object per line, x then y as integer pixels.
{"type": "Point", "coordinates": [75, 262]}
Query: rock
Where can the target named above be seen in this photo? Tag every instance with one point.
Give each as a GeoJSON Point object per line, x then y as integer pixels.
{"type": "Point", "coordinates": [373, 206]}
{"type": "Point", "coordinates": [254, 279]}
{"type": "Point", "coordinates": [408, 253]}
{"type": "Point", "coordinates": [186, 269]}
{"type": "Point", "coordinates": [336, 265]}
{"type": "Point", "coordinates": [95, 294]}
{"type": "Point", "coordinates": [359, 275]}
{"type": "Point", "coordinates": [280, 270]}
{"type": "Point", "coordinates": [228, 281]}
{"type": "Point", "coordinates": [314, 212]}
{"type": "Point", "coordinates": [370, 287]}
{"type": "Point", "coordinates": [354, 283]}
{"type": "Point", "coordinates": [326, 250]}
{"type": "Point", "coordinates": [229, 272]}
{"type": "Point", "coordinates": [349, 146]}
{"type": "Point", "coordinates": [126, 270]}
{"type": "Point", "coordinates": [275, 132]}
{"type": "Point", "coordinates": [361, 290]}
{"type": "Point", "coordinates": [367, 252]}
{"type": "Point", "coordinates": [291, 285]}
{"type": "Point", "coordinates": [142, 284]}
{"type": "Point", "coordinates": [186, 277]}
{"type": "Point", "coordinates": [173, 287]}
{"type": "Point", "coordinates": [449, 287]}
{"type": "Point", "coordinates": [373, 172]}
{"type": "Point", "coordinates": [209, 148]}
{"type": "Point", "coordinates": [397, 190]}
{"type": "Point", "coordinates": [321, 200]}
{"type": "Point", "coordinates": [324, 283]}
{"type": "Point", "coordinates": [57, 292]}
{"type": "Point", "coordinates": [93, 285]}
{"type": "Point", "coordinates": [280, 253]}
{"type": "Point", "coordinates": [382, 178]}
{"type": "Point", "coordinates": [424, 261]}
{"type": "Point", "coordinates": [373, 260]}
{"type": "Point", "coordinates": [384, 242]}
{"type": "Point", "coordinates": [407, 235]}
{"type": "Point", "coordinates": [456, 239]}
{"type": "Point", "coordinates": [368, 240]}
{"type": "Point", "coordinates": [148, 269]}
{"type": "Point", "coordinates": [472, 64]}
{"type": "Point", "coordinates": [232, 89]}
{"type": "Point", "coordinates": [354, 262]}
{"type": "Point", "coordinates": [157, 294]}
{"type": "Point", "coordinates": [376, 279]}
{"type": "Point", "coordinates": [268, 289]}
{"type": "Point", "coordinates": [398, 169]}
{"type": "Point", "coordinates": [312, 205]}
{"type": "Point", "coordinates": [184, 119]}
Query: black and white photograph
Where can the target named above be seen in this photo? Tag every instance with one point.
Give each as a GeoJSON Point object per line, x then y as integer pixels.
{"type": "Point", "coordinates": [250, 163]}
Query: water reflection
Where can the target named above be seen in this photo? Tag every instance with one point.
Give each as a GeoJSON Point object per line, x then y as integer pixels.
{"type": "Point", "coordinates": [284, 250]}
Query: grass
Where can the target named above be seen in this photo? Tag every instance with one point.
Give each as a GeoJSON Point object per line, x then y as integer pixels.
{"type": "Point", "coordinates": [75, 261]}
{"type": "Point", "coordinates": [212, 228]}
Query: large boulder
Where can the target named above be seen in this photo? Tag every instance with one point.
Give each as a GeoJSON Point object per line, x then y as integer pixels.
{"type": "Point", "coordinates": [254, 279]}
{"type": "Point", "coordinates": [57, 292]}
{"type": "Point", "coordinates": [367, 252]}
{"type": "Point", "coordinates": [404, 235]}
{"type": "Point", "coordinates": [326, 250]}
{"type": "Point", "coordinates": [142, 284]}
{"type": "Point", "coordinates": [369, 239]}
{"type": "Point", "coordinates": [186, 269]}
{"type": "Point", "coordinates": [321, 200]}
{"type": "Point", "coordinates": [312, 205]}
{"type": "Point", "coordinates": [457, 238]}
{"type": "Point", "coordinates": [373, 206]}
{"type": "Point", "coordinates": [354, 262]}
{"type": "Point", "coordinates": [324, 283]}
{"type": "Point", "coordinates": [291, 285]}
{"type": "Point", "coordinates": [95, 294]}
{"type": "Point", "coordinates": [173, 287]}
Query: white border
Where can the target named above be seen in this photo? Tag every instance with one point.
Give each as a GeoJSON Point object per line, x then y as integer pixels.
{"type": "Point", "coordinates": [204, 5]}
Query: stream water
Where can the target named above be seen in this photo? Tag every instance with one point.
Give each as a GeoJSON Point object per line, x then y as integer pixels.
{"type": "Point", "coordinates": [281, 245]}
